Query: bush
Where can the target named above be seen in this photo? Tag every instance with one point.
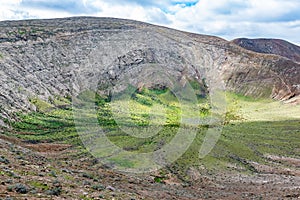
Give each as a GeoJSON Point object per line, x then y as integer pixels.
{"type": "Point", "coordinates": [4, 160]}
{"type": "Point", "coordinates": [20, 188]}
{"type": "Point", "coordinates": [56, 188]}
{"type": "Point", "coordinates": [158, 179]}
{"type": "Point", "coordinates": [98, 187]}
{"type": "Point", "coordinates": [10, 188]}
{"type": "Point", "coordinates": [54, 191]}
{"type": "Point", "coordinates": [53, 174]}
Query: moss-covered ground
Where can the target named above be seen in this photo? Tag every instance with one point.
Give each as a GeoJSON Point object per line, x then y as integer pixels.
{"type": "Point", "coordinates": [253, 128]}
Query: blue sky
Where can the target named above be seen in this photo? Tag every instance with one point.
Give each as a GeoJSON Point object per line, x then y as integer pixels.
{"type": "Point", "coordinates": [225, 18]}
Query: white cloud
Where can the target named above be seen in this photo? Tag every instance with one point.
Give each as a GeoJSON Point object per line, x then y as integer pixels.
{"type": "Point", "coordinates": [239, 18]}
{"type": "Point", "coordinates": [12, 10]}
{"type": "Point", "coordinates": [136, 12]}
{"type": "Point", "coordinates": [7, 10]}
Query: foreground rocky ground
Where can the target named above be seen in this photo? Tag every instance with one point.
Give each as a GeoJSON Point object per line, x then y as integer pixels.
{"type": "Point", "coordinates": [55, 171]}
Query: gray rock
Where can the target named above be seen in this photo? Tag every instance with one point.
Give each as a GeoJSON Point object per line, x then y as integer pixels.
{"type": "Point", "coordinates": [62, 57]}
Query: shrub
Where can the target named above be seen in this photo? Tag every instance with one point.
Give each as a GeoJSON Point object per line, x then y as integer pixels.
{"type": "Point", "coordinates": [20, 188]}
{"type": "Point", "coordinates": [54, 191]}
{"type": "Point", "coordinates": [53, 174]}
{"type": "Point", "coordinates": [10, 188]}
{"type": "Point", "coordinates": [98, 187]}
{"type": "Point", "coordinates": [56, 188]}
{"type": "Point", "coordinates": [158, 179]}
{"type": "Point", "coordinates": [4, 160]}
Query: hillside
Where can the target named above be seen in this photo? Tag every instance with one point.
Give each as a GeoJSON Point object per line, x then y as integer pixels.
{"type": "Point", "coordinates": [271, 46]}
{"type": "Point", "coordinates": [104, 108]}
{"type": "Point", "coordinates": [47, 59]}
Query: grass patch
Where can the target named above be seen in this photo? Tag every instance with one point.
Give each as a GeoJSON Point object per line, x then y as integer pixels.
{"type": "Point", "coordinates": [41, 105]}
{"type": "Point", "coordinates": [53, 126]}
{"type": "Point", "coordinates": [22, 31]}
{"type": "Point", "coordinates": [59, 101]}
{"type": "Point", "coordinates": [253, 128]}
{"type": "Point", "coordinates": [38, 185]}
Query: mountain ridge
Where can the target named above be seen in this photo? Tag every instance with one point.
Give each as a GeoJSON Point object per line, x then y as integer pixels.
{"type": "Point", "coordinates": [44, 59]}
{"type": "Point", "coordinates": [271, 46]}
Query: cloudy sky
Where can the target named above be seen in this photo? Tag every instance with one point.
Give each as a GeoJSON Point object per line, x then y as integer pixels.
{"type": "Point", "coordinates": [225, 18]}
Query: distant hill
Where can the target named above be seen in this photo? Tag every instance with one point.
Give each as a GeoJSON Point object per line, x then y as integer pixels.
{"type": "Point", "coordinates": [271, 46]}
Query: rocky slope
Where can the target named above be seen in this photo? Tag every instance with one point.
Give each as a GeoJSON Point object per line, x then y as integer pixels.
{"type": "Point", "coordinates": [45, 62]}
{"type": "Point", "coordinates": [52, 172]}
{"type": "Point", "coordinates": [50, 59]}
{"type": "Point", "coordinates": [271, 46]}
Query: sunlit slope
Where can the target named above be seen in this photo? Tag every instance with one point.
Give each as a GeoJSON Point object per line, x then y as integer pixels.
{"type": "Point", "coordinates": [251, 109]}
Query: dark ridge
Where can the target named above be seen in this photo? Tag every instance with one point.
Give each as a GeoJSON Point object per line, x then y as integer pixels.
{"type": "Point", "coordinates": [271, 46]}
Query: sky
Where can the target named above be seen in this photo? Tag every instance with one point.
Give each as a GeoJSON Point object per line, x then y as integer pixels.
{"type": "Point", "coordinates": [228, 19]}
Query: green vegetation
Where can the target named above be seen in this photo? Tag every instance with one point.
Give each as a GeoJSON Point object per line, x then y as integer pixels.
{"type": "Point", "coordinates": [58, 101]}
{"type": "Point", "coordinates": [42, 106]}
{"type": "Point", "coordinates": [54, 126]}
{"type": "Point", "coordinates": [22, 31]}
{"type": "Point", "coordinates": [158, 179]}
{"type": "Point", "coordinates": [253, 128]}
{"type": "Point", "coordinates": [251, 109]}
{"type": "Point", "coordinates": [19, 188]}
{"type": "Point", "coordinates": [38, 185]}
{"type": "Point", "coordinates": [56, 188]}
{"type": "Point", "coordinates": [4, 160]}
{"type": "Point", "coordinates": [98, 187]}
